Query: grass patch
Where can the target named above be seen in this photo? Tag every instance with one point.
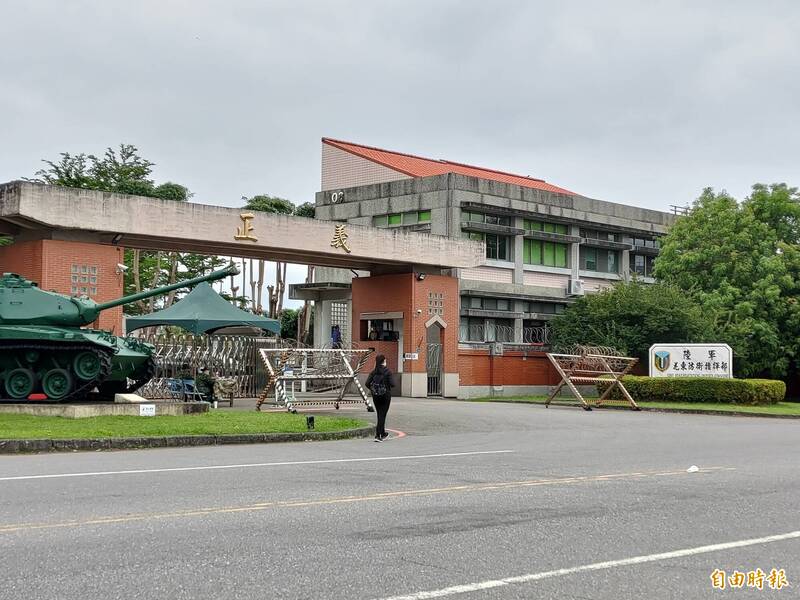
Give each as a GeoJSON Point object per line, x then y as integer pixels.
{"type": "Point", "coordinates": [781, 408]}
{"type": "Point", "coordinates": [17, 427]}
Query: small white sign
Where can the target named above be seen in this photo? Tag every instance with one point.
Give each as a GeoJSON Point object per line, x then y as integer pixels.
{"type": "Point", "coordinates": [411, 356]}
{"type": "Point", "coordinates": [147, 410]}
{"type": "Point", "coordinates": [691, 360]}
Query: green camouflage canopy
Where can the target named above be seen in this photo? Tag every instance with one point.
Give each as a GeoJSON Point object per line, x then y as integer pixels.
{"type": "Point", "coordinates": [203, 311]}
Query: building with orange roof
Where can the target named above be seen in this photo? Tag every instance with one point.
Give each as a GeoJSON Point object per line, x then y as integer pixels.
{"type": "Point", "coordinates": [545, 247]}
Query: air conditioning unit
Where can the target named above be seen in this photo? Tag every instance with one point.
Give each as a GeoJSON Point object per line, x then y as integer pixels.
{"type": "Point", "coordinates": [575, 288]}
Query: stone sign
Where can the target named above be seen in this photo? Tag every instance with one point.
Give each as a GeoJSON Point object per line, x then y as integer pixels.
{"type": "Point", "coordinates": [691, 360]}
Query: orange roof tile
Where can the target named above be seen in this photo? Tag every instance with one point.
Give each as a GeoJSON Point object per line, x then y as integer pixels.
{"type": "Point", "coordinates": [418, 166]}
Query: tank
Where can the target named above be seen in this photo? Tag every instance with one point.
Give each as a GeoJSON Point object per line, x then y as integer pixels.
{"type": "Point", "coordinates": [46, 351]}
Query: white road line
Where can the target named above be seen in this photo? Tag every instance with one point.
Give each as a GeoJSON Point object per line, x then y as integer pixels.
{"type": "Point", "coordinates": [636, 560]}
{"type": "Point", "coordinates": [254, 465]}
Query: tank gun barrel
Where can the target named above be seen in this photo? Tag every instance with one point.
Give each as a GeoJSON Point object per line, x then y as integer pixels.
{"type": "Point", "coordinates": [228, 271]}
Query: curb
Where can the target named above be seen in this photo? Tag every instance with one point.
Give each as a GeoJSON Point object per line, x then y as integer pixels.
{"type": "Point", "coordinates": [73, 445]}
{"type": "Point", "coordinates": [685, 411]}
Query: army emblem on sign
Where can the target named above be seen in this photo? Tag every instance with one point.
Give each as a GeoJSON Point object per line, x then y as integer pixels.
{"type": "Point", "coordinates": [661, 360]}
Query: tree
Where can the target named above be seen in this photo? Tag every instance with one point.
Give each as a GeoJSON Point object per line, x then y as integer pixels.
{"type": "Point", "coordinates": [123, 170]}
{"type": "Point", "coordinates": [741, 263]}
{"type": "Point", "coordinates": [288, 319]}
{"type": "Point", "coordinates": [270, 204]}
{"type": "Point", "coordinates": [630, 317]}
{"type": "Point", "coordinates": [306, 209]}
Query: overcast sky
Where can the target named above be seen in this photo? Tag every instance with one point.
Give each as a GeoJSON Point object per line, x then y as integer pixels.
{"type": "Point", "coordinates": [643, 103]}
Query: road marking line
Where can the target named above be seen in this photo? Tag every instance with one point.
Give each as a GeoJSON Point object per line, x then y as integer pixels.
{"type": "Point", "coordinates": [253, 465]}
{"type": "Point", "coordinates": [636, 560]}
{"type": "Point", "coordinates": [500, 485]}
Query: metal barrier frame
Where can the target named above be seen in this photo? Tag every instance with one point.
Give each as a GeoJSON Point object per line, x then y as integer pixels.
{"type": "Point", "coordinates": [592, 365]}
{"type": "Point", "coordinates": [340, 373]}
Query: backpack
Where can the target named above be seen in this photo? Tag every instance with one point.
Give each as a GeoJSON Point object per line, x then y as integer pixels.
{"type": "Point", "coordinates": [378, 387]}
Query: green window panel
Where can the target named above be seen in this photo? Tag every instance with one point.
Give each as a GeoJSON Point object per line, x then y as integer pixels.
{"type": "Point", "coordinates": [380, 221]}
{"type": "Point", "coordinates": [409, 218]}
{"type": "Point", "coordinates": [549, 254]}
{"type": "Point", "coordinates": [532, 252]}
{"type": "Point", "coordinates": [548, 227]}
{"type": "Point", "coordinates": [561, 255]}
{"type": "Point", "coordinates": [396, 219]}
{"type": "Point", "coordinates": [533, 225]}
{"type": "Point", "coordinates": [424, 215]}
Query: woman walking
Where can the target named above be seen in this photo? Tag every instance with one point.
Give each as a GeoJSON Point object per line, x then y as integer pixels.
{"type": "Point", "coordinates": [380, 382]}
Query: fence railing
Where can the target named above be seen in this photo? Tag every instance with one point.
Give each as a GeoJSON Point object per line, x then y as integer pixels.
{"type": "Point", "coordinates": [503, 333]}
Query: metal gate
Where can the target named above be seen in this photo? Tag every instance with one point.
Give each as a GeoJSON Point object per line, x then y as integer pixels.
{"type": "Point", "coordinates": [434, 368]}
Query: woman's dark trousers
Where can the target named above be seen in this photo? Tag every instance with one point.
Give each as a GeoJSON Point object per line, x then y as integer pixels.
{"type": "Point", "coordinates": [381, 407]}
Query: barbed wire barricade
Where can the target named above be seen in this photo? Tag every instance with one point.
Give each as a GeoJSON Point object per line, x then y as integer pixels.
{"type": "Point", "coordinates": [299, 377]}
{"type": "Point", "coordinates": [229, 357]}
{"type": "Point", "coordinates": [537, 336]}
{"type": "Point", "coordinates": [592, 365]}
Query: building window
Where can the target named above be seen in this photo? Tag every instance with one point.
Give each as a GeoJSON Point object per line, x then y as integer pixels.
{"type": "Point", "coordinates": [601, 261]}
{"type": "Point", "coordinates": [396, 219]}
{"type": "Point", "coordinates": [544, 308]}
{"type": "Point", "coordinates": [479, 302]}
{"type": "Point", "coordinates": [613, 259]}
{"type": "Point", "coordinates": [488, 219]}
{"type": "Point", "coordinates": [595, 234]}
{"type": "Point", "coordinates": [546, 227]}
{"type": "Point", "coordinates": [589, 259]}
{"type": "Point", "coordinates": [471, 329]}
{"type": "Point", "coordinates": [496, 247]}
{"type": "Point", "coordinates": [499, 330]}
{"type": "Point", "coordinates": [642, 265]}
{"type": "Point", "coordinates": [642, 242]}
{"type": "Point", "coordinates": [549, 254]}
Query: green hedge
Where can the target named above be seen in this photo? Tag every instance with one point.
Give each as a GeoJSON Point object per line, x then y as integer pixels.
{"type": "Point", "coordinates": [701, 389]}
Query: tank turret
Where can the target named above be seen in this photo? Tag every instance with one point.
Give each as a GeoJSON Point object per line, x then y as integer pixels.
{"type": "Point", "coordinates": [23, 303]}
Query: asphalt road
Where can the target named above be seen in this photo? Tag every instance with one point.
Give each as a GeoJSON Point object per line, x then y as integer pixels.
{"type": "Point", "coordinates": [477, 501]}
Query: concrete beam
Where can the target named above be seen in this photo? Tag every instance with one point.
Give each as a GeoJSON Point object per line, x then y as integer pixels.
{"type": "Point", "coordinates": [153, 224]}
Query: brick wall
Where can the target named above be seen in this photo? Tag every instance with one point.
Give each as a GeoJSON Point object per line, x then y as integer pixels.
{"type": "Point", "coordinates": [49, 263]}
{"type": "Point", "coordinates": [477, 367]}
{"type": "Point", "coordinates": [340, 169]}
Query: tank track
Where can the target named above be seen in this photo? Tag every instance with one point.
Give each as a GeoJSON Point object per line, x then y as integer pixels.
{"type": "Point", "coordinates": [81, 391]}
{"type": "Point", "coordinates": [148, 373]}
